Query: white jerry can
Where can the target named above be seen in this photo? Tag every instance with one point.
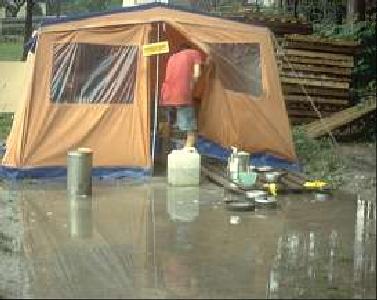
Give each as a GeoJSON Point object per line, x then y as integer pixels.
{"type": "Point", "coordinates": [184, 167]}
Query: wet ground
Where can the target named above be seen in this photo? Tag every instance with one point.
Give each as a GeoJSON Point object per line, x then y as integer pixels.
{"type": "Point", "coordinates": [148, 240]}
{"type": "Point", "coordinates": [360, 169]}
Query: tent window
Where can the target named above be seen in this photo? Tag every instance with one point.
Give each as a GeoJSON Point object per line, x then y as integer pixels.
{"type": "Point", "coordinates": [239, 67]}
{"type": "Point", "coordinates": [93, 74]}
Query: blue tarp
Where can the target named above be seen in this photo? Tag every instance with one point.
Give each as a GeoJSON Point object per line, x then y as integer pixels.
{"type": "Point", "coordinates": [205, 147]}
{"type": "Point", "coordinates": [31, 44]}
{"type": "Point", "coordinates": [103, 173]}
{"type": "Point", "coordinates": [213, 150]}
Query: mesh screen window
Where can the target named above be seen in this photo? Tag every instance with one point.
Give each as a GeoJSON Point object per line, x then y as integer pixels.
{"type": "Point", "coordinates": [93, 74]}
{"type": "Point", "coordinates": [239, 67]}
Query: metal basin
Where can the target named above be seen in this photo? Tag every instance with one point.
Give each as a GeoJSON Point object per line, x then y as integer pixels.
{"type": "Point", "coordinates": [269, 201]}
{"type": "Point", "coordinates": [272, 176]}
{"type": "Point", "coordinates": [264, 169]}
{"type": "Point", "coordinates": [322, 196]}
{"type": "Point", "coordinates": [240, 205]}
{"type": "Point", "coordinates": [256, 194]}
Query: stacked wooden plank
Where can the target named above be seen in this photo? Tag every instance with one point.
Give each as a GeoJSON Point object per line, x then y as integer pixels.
{"type": "Point", "coordinates": [339, 119]}
{"type": "Point", "coordinates": [279, 25]}
{"type": "Point", "coordinates": [315, 72]}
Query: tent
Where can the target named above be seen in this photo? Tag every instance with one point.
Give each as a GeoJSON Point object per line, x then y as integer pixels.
{"type": "Point", "coordinates": [91, 86]}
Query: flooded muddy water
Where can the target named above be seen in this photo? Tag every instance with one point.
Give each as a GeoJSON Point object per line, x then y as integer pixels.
{"type": "Point", "coordinates": [149, 240]}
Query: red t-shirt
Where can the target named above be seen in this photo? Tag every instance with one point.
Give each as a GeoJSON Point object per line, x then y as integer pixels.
{"type": "Point", "coordinates": [176, 89]}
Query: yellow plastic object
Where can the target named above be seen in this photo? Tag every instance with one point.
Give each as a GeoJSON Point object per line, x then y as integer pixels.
{"type": "Point", "coordinates": [156, 48]}
{"type": "Point", "coordinates": [272, 188]}
{"type": "Point", "coordinates": [315, 184]}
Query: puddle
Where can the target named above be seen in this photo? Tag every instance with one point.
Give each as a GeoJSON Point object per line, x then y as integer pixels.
{"type": "Point", "coordinates": [146, 240]}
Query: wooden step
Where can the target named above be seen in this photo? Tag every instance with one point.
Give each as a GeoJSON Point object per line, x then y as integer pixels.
{"type": "Point", "coordinates": [322, 100]}
{"type": "Point", "coordinates": [289, 88]}
{"type": "Point", "coordinates": [326, 48]}
{"type": "Point", "coordinates": [316, 61]}
{"type": "Point", "coordinates": [339, 119]}
{"type": "Point", "coordinates": [312, 54]}
{"type": "Point", "coordinates": [309, 107]}
{"type": "Point", "coordinates": [316, 68]}
{"type": "Point", "coordinates": [307, 113]}
{"type": "Point", "coordinates": [316, 76]}
{"type": "Point", "coordinates": [317, 83]}
{"type": "Point", "coordinates": [319, 40]}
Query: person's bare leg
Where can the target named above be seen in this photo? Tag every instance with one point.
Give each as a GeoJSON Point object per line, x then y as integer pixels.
{"type": "Point", "coordinates": [166, 134]}
{"type": "Point", "coordinates": [191, 139]}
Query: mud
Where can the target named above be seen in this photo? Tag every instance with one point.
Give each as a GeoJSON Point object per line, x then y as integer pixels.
{"type": "Point", "coordinates": [148, 240]}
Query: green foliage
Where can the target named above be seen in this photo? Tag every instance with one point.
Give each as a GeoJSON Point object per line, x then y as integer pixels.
{"type": "Point", "coordinates": [69, 7]}
{"type": "Point", "coordinates": [364, 72]}
{"type": "Point", "coordinates": [37, 10]}
{"type": "Point", "coordinates": [318, 157]}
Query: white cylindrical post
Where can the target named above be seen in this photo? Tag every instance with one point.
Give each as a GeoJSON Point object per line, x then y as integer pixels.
{"type": "Point", "coordinates": [79, 172]}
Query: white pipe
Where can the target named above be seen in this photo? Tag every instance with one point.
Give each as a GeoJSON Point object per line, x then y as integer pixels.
{"type": "Point", "coordinates": [156, 100]}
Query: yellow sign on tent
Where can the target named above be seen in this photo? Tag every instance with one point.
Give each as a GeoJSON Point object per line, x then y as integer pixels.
{"type": "Point", "coordinates": [156, 48]}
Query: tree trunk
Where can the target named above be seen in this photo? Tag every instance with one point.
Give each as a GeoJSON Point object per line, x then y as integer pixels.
{"type": "Point", "coordinates": [361, 9]}
{"type": "Point", "coordinates": [295, 8]}
{"type": "Point", "coordinates": [58, 8]}
{"type": "Point", "coordinates": [28, 25]}
{"type": "Point", "coordinates": [351, 11]}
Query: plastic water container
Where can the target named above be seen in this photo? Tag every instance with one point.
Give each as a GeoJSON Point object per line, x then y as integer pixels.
{"type": "Point", "coordinates": [184, 167]}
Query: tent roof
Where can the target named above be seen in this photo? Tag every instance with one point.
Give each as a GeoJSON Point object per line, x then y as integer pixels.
{"type": "Point", "coordinates": [143, 8]}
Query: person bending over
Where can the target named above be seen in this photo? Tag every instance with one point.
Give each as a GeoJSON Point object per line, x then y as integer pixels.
{"type": "Point", "coordinates": [182, 73]}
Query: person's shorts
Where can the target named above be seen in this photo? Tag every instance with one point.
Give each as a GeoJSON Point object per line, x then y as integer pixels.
{"type": "Point", "coordinates": [185, 118]}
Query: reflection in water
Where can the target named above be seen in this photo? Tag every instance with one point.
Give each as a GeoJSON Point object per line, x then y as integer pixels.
{"type": "Point", "coordinates": [183, 203]}
{"type": "Point", "coordinates": [178, 277]}
{"type": "Point", "coordinates": [80, 216]}
{"type": "Point", "coordinates": [148, 242]}
{"type": "Point", "coordinates": [303, 265]}
{"type": "Point", "coordinates": [317, 263]}
{"type": "Point", "coordinates": [14, 281]}
{"type": "Point", "coordinates": [365, 244]}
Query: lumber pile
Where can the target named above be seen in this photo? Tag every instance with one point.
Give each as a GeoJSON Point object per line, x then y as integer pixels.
{"type": "Point", "coordinates": [280, 24]}
{"type": "Point", "coordinates": [339, 119]}
{"type": "Point", "coordinates": [317, 69]}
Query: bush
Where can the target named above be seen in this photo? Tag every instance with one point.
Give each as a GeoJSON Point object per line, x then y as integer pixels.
{"type": "Point", "coordinates": [319, 158]}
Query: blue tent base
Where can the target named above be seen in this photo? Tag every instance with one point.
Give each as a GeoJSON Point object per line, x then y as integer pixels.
{"type": "Point", "coordinates": [56, 173]}
{"type": "Point", "coordinates": [213, 150]}
{"type": "Point", "coordinates": [205, 148]}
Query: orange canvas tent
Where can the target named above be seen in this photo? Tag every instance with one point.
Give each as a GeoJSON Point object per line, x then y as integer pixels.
{"type": "Point", "coordinates": [89, 85]}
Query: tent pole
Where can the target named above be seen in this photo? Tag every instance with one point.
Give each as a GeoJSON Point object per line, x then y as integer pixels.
{"type": "Point", "coordinates": [156, 99]}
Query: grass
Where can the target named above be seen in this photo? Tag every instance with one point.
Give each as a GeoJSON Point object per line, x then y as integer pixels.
{"type": "Point", "coordinates": [11, 50]}
{"type": "Point", "coordinates": [8, 51]}
{"type": "Point", "coordinates": [6, 120]}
